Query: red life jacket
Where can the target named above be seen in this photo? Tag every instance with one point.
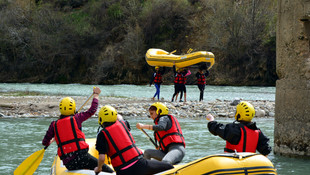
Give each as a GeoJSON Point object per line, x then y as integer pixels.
{"type": "Point", "coordinates": [158, 78]}
{"type": "Point", "coordinates": [68, 136]}
{"type": "Point", "coordinates": [248, 141]}
{"type": "Point", "coordinates": [122, 148]}
{"type": "Point", "coordinates": [184, 80]}
{"type": "Point", "coordinates": [179, 78]}
{"type": "Point", "coordinates": [173, 135]}
{"type": "Point", "coordinates": [202, 79]}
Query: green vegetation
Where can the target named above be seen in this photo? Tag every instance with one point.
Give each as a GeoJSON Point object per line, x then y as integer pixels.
{"type": "Point", "coordinates": [105, 41]}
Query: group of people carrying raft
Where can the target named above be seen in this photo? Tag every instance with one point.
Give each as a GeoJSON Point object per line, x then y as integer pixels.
{"type": "Point", "coordinates": [115, 140]}
{"type": "Point", "coordinates": [180, 77]}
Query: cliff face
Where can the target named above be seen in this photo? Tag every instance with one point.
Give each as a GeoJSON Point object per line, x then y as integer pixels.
{"type": "Point", "coordinates": [292, 112]}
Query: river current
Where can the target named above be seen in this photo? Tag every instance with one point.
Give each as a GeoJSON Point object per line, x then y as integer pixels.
{"type": "Point", "coordinates": [20, 137]}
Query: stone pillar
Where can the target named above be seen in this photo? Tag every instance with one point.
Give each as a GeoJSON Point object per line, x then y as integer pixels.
{"type": "Point", "coordinates": [292, 110]}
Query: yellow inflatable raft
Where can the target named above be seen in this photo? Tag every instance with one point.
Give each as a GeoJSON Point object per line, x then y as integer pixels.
{"type": "Point", "coordinates": [162, 58]}
{"type": "Point", "coordinates": [232, 163]}
{"type": "Point", "coordinates": [59, 169]}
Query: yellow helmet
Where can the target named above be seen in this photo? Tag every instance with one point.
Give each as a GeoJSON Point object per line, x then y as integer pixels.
{"type": "Point", "coordinates": [107, 114]}
{"type": "Point", "coordinates": [156, 67]}
{"type": "Point", "coordinates": [162, 107]}
{"type": "Point", "coordinates": [67, 106]}
{"type": "Point", "coordinates": [244, 112]}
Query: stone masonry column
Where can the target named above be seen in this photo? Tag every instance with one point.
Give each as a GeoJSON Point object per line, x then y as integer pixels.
{"type": "Point", "coordinates": [292, 110]}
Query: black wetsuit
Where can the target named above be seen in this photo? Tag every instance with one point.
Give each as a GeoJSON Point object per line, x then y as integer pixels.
{"type": "Point", "coordinates": [232, 133]}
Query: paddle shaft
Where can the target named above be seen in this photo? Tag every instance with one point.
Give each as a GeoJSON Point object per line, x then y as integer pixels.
{"type": "Point", "coordinates": [156, 146]}
{"type": "Point", "coordinates": [85, 102]}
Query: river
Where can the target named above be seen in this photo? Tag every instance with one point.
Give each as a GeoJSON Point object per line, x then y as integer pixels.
{"type": "Point", "coordinates": [145, 91]}
{"type": "Point", "coordinates": [20, 137]}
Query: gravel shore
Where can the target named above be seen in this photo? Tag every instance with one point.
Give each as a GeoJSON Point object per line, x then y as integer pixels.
{"type": "Point", "coordinates": [47, 106]}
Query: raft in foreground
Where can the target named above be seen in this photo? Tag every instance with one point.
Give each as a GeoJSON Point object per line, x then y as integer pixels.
{"type": "Point", "coordinates": [162, 58]}
{"type": "Point", "coordinates": [59, 169]}
{"type": "Point", "coordinates": [232, 163]}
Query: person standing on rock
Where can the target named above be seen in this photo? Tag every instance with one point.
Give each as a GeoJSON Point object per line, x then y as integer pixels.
{"type": "Point", "coordinates": [242, 135]}
{"type": "Point", "coordinates": [185, 73]}
{"type": "Point", "coordinates": [167, 133]}
{"type": "Point", "coordinates": [116, 141]}
{"type": "Point", "coordinates": [67, 131]}
{"type": "Point", "coordinates": [201, 82]}
{"type": "Point", "coordinates": [157, 79]}
{"type": "Point", "coordinates": [178, 82]}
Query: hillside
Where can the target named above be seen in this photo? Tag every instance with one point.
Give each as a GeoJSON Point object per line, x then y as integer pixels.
{"type": "Point", "coordinates": [105, 41]}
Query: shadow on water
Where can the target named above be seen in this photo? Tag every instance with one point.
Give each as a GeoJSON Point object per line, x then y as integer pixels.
{"type": "Point", "coordinates": [20, 137]}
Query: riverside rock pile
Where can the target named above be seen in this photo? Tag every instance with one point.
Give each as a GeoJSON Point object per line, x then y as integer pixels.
{"type": "Point", "coordinates": [47, 106]}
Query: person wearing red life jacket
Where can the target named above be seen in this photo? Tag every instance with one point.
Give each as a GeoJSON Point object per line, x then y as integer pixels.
{"type": "Point", "coordinates": [67, 132]}
{"type": "Point", "coordinates": [157, 80]}
{"type": "Point", "coordinates": [201, 82]}
{"type": "Point", "coordinates": [178, 82]}
{"type": "Point", "coordinates": [242, 135]}
{"type": "Point", "coordinates": [116, 141]}
{"type": "Point", "coordinates": [167, 133]}
{"type": "Point", "coordinates": [185, 73]}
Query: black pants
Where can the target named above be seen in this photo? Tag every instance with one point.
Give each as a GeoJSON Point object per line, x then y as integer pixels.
{"type": "Point", "coordinates": [182, 89]}
{"type": "Point", "coordinates": [201, 89]}
{"type": "Point", "coordinates": [146, 167]}
{"type": "Point", "coordinates": [177, 89]}
{"type": "Point", "coordinates": [86, 161]}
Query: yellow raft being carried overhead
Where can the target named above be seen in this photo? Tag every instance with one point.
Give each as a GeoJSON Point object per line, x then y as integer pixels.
{"type": "Point", "coordinates": [231, 163]}
{"type": "Point", "coordinates": [162, 58]}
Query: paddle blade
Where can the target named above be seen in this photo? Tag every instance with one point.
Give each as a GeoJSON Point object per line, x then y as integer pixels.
{"type": "Point", "coordinates": [29, 165]}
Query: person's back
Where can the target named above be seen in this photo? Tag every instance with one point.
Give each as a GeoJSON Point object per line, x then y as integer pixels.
{"type": "Point", "coordinates": [241, 135]}
{"type": "Point", "coordinates": [116, 141]}
{"type": "Point", "coordinates": [121, 144]}
{"type": "Point", "coordinates": [67, 131]}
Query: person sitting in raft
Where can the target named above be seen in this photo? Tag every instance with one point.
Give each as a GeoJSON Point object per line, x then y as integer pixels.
{"type": "Point", "coordinates": [167, 133]}
{"type": "Point", "coordinates": [67, 131]}
{"type": "Point", "coordinates": [185, 73]}
{"type": "Point", "coordinates": [201, 81]}
{"type": "Point", "coordinates": [116, 141]}
{"type": "Point", "coordinates": [242, 135]}
{"type": "Point", "coordinates": [157, 79]}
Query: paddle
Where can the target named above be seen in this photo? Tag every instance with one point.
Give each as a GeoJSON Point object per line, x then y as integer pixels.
{"type": "Point", "coordinates": [156, 146]}
{"type": "Point", "coordinates": [30, 165]}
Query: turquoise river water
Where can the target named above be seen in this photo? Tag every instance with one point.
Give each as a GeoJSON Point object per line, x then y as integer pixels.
{"type": "Point", "coordinates": [20, 137]}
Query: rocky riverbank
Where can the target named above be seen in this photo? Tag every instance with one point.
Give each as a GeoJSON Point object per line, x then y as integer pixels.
{"type": "Point", "coordinates": [47, 106]}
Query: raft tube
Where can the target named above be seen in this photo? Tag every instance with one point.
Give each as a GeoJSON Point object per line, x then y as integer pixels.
{"type": "Point", "coordinates": [230, 163]}
{"type": "Point", "coordinates": [59, 169]}
{"type": "Point", "coordinates": [162, 58]}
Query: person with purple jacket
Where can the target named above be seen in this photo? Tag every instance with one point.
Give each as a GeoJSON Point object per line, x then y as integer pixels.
{"type": "Point", "coordinates": [67, 132]}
